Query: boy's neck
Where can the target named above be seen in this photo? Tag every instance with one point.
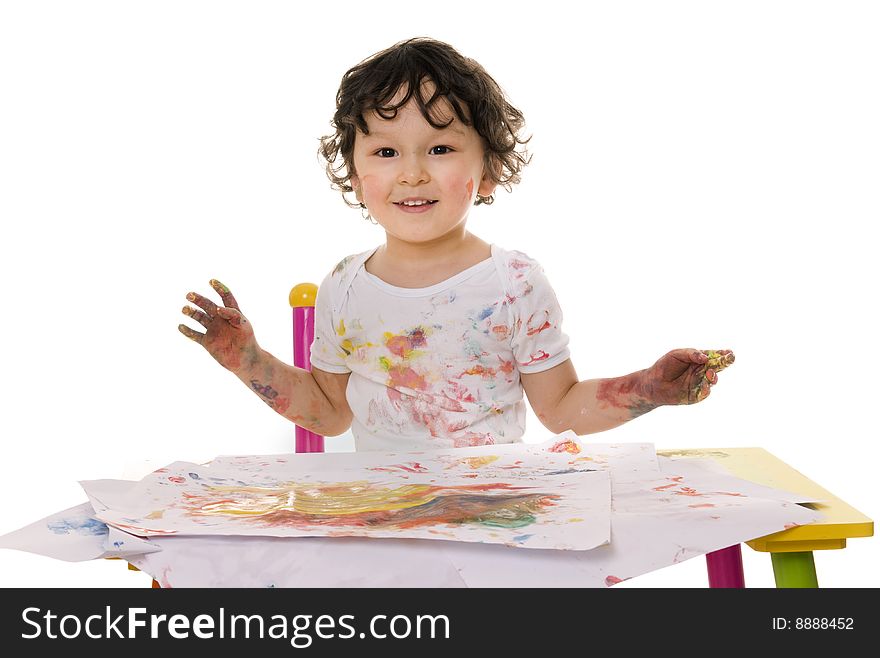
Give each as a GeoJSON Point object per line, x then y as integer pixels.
{"type": "Point", "coordinates": [407, 264]}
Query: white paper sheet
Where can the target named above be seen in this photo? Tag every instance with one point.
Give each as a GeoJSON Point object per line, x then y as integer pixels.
{"type": "Point", "coordinates": [521, 495]}
{"type": "Point", "coordinates": [709, 469]}
{"type": "Point", "coordinates": [75, 535]}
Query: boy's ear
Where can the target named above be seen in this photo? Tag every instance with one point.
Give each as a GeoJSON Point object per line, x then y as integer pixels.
{"type": "Point", "coordinates": [487, 184]}
{"type": "Point", "coordinates": [356, 186]}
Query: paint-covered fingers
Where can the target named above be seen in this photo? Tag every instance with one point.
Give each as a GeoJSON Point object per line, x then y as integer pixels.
{"type": "Point", "coordinates": [225, 294]}
{"type": "Point", "coordinates": [232, 316]}
{"type": "Point", "coordinates": [198, 316]}
{"type": "Point", "coordinates": [719, 359]}
{"type": "Point", "coordinates": [209, 307]}
{"type": "Point", "coordinates": [700, 391]}
{"type": "Point", "coordinates": [191, 334]}
{"type": "Point", "coordinates": [703, 390]}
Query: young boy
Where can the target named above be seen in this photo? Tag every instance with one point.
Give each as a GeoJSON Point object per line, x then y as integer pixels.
{"type": "Point", "coordinates": [429, 340]}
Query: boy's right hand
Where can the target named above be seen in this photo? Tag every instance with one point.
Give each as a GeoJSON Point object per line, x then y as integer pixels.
{"type": "Point", "coordinates": [228, 336]}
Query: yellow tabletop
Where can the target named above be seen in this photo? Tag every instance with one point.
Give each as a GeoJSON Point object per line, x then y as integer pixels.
{"type": "Point", "coordinates": [840, 520]}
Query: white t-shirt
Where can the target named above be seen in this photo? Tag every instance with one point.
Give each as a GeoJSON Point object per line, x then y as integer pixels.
{"type": "Point", "coordinates": [438, 367]}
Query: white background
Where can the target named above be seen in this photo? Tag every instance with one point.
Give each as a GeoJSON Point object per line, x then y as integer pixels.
{"type": "Point", "coordinates": [705, 174]}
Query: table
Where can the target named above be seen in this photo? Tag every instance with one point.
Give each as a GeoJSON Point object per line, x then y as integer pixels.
{"type": "Point", "coordinates": [791, 551]}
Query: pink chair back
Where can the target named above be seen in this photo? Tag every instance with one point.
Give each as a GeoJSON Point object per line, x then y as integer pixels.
{"type": "Point", "coordinates": [302, 301]}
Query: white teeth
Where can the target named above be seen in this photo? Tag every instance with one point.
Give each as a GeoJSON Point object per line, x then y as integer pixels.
{"type": "Point", "coordinates": [414, 203]}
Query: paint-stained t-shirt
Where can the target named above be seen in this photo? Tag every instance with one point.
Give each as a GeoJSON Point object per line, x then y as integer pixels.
{"type": "Point", "coordinates": [438, 367]}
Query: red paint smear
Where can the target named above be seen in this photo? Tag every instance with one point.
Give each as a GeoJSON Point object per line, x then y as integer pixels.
{"type": "Point", "coordinates": [675, 480]}
{"type": "Point", "coordinates": [402, 345]}
{"type": "Point", "coordinates": [565, 446]}
{"type": "Point", "coordinates": [144, 532]}
{"type": "Point", "coordinates": [281, 404]}
{"type": "Point", "coordinates": [473, 439]}
{"type": "Point", "coordinates": [702, 505]}
{"type": "Point", "coordinates": [541, 356]}
{"type": "Point", "coordinates": [407, 377]}
{"type": "Point", "coordinates": [214, 503]}
{"type": "Point", "coordinates": [612, 580]}
{"type": "Point", "coordinates": [429, 410]}
{"type": "Point", "coordinates": [501, 331]}
{"type": "Point", "coordinates": [532, 330]}
{"type": "Point", "coordinates": [478, 370]}
{"type": "Point", "coordinates": [617, 392]}
{"type": "Point", "coordinates": [414, 468]}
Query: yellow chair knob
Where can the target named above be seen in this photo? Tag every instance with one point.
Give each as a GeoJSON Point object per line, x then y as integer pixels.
{"type": "Point", "coordinates": [303, 294]}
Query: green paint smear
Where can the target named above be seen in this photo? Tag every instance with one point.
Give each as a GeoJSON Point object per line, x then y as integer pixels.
{"type": "Point", "coordinates": [519, 522]}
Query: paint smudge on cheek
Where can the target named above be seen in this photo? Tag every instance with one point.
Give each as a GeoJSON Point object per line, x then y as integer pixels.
{"type": "Point", "coordinates": [370, 189]}
{"type": "Point", "coordinates": [469, 190]}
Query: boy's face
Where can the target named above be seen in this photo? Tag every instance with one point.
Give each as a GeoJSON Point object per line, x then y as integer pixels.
{"type": "Point", "coordinates": [438, 172]}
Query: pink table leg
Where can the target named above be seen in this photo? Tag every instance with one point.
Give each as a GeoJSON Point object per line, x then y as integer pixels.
{"type": "Point", "coordinates": [726, 567]}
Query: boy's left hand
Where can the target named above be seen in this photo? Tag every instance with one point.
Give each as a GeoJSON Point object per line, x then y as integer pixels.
{"type": "Point", "coordinates": [685, 376]}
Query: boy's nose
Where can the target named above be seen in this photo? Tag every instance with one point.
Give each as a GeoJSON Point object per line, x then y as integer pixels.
{"type": "Point", "coordinates": [413, 171]}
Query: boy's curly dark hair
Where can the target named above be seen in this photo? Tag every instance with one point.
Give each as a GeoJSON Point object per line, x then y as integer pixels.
{"type": "Point", "coordinates": [475, 97]}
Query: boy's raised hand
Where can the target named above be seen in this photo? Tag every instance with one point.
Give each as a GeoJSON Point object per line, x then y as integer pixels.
{"type": "Point", "coordinates": [228, 335]}
{"type": "Point", "coordinates": [685, 376]}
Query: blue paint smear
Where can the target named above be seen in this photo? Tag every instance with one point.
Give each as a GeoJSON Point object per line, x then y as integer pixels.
{"type": "Point", "coordinates": [522, 538]}
{"type": "Point", "coordinates": [78, 526]}
{"type": "Point", "coordinates": [485, 313]}
{"type": "Point", "coordinates": [571, 470]}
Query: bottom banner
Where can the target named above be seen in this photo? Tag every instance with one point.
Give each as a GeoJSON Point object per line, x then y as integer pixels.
{"type": "Point", "coordinates": [404, 621]}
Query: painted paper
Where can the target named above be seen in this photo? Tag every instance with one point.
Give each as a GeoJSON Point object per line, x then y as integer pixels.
{"type": "Point", "coordinates": [656, 522]}
{"type": "Point", "coordinates": [75, 535]}
{"type": "Point", "coordinates": [522, 496]}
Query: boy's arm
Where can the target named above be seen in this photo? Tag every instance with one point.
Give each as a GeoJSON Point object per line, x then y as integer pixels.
{"type": "Point", "coordinates": [562, 402]}
{"type": "Point", "coordinates": [313, 400]}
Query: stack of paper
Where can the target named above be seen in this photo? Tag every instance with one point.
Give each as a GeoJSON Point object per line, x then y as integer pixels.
{"type": "Point", "coordinates": [558, 514]}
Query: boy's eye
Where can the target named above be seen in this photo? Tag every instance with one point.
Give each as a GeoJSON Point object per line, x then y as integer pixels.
{"type": "Point", "coordinates": [385, 153]}
{"type": "Point", "coordinates": [443, 149]}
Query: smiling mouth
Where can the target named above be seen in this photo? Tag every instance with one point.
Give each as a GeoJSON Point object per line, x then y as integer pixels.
{"type": "Point", "coordinates": [415, 204]}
